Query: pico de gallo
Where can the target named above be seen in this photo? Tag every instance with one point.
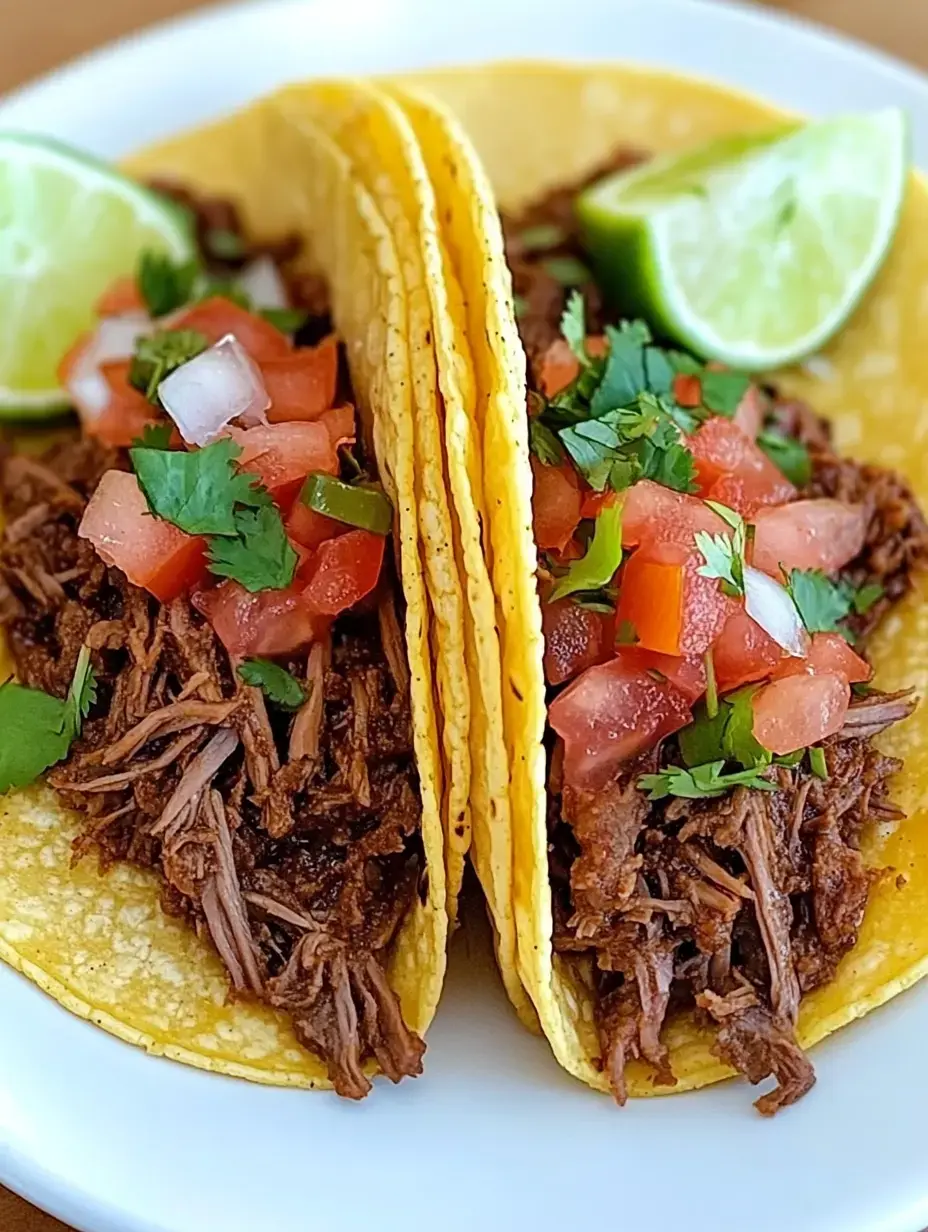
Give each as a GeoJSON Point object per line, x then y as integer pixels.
{"type": "Point", "coordinates": [708, 572]}
{"type": "Point", "coordinates": [200, 599]}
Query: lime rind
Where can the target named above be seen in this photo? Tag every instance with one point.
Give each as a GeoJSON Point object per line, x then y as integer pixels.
{"type": "Point", "coordinates": [755, 250]}
{"type": "Point", "coordinates": [69, 225]}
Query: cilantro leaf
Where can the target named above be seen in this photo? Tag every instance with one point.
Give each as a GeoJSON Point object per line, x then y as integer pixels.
{"type": "Point", "coordinates": [603, 557]}
{"type": "Point", "coordinates": [702, 782]}
{"type": "Point", "coordinates": [624, 377]}
{"type": "Point", "coordinates": [822, 603]}
{"type": "Point", "coordinates": [154, 436]}
{"type": "Point", "coordinates": [567, 270]}
{"type": "Point", "coordinates": [673, 467]}
{"type": "Point", "coordinates": [197, 491]}
{"type": "Point", "coordinates": [865, 598]}
{"type": "Point", "coordinates": [160, 354]}
{"type": "Point", "coordinates": [723, 561]}
{"type": "Point", "coordinates": [544, 443]}
{"type": "Point", "coordinates": [724, 554]}
{"type": "Point", "coordinates": [789, 455]}
{"type": "Point", "coordinates": [36, 729]}
{"type": "Point", "coordinates": [261, 557]}
{"type": "Point", "coordinates": [287, 320]}
{"type": "Point", "coordinates": [573, 327]}
{"type": "Point", "coordinates": [82, 694]}
{"type": "Point", "coordinates": [541, 238]}
{"type": "Point", "coordinates": [278, 684]}
{"type": "Point", "coordinates": [165, 284]}
{"type": "Point", "coordinates": [723, 390]}
{"type": "Point", "coordinates": [728, 735]}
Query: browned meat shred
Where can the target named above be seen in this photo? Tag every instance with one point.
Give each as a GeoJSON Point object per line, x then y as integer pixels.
{"type": "Point", "coordinates": [293, 842]}
{"type": "Point", "coordinates": [740, 905]}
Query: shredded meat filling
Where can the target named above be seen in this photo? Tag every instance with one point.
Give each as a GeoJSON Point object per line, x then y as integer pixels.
{"type": "Point", "coordinates": [294, 841]}
{"type": "Point", "coordinates": [734, 906]}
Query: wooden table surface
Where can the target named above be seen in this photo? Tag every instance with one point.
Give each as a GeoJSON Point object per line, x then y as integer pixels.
{"type": "Point", "coordinates": [33, 41]}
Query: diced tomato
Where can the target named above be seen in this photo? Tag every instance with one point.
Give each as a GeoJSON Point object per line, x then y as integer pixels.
{"type": "Point", "coordinates": [151, 553]}
{"type": "Point", "coordinates": [217, 316]}
{"type": "Point", "coordinates": [829, 652]}
{"type": "Point", "coordinates": [282, 455]}
{"type": "Point", "coordinates": [808, 534]}
{"type": "Point", "coordinates": [560, 366]}
{"type": "Point", "coordinates": [309, 529]}
{"type": "Point", "coordinates": [800, 710]}
{"type": "Point", "coordinates": [301, 385]}
{"type": "Point", "coordinates": [575, 638]}
{"type": "Point", "coordinates": [269, 622]}
{"type": "Point", "coordinates": [731, 469]}
{"type": "Point", "coordinates": [672, 608]}
{"type": "Point", "coordinates": [117, 413]}
{"type": "Point", "coordinates": [556, 503]}
{"type": "Point", "coordinates": [343, 571]}
{"type": "Point", "coordinates": [687, 673]}
{"type": "Point", "coordinates": [340, 422]}
{"type": "Point", "coordinates": [743, 652]}
{"type": "Point", "coordinates": [595, 502]}
{"type": "Point", "coordinates": [123, 295]}
{"type": "Point", "coordinates": [749, 415]}
{"type": "Point", "coordinates": [687, 389]}
{"type": "Point", "coordinates": [652, 513]}
{"type": "Point", "coordinates": [128, 412]}
{"type": "Point", "coordinates": [609, 714]}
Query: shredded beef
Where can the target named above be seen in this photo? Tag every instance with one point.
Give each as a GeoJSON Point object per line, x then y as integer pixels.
{"type": "Point", "coordinates": [293, 843]}
{"type": "Point", "coordinates": [732, 907]}
{"type": "Point", "coordinates": [541, 297]}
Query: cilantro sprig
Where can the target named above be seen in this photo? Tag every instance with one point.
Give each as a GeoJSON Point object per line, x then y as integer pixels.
{"type": "Point", "coordinates": [160, 354]}
{"type": "Point", "coordinates": [702, 782]}
{"type": "Point", "coordinates": [823, 604]}
{"type": "Point", "coordinates": [166, 285]}
{"type": "Point", "coordinates": [36, 729]}
{"type": "Point", "coordinates": [724, 554]}
{"type": "Point", "coordinates": [279, 686]}
{"type": "Point", "coordinates": [260, 557]}
{"type": "Point", "coordinates": [203, 493]}
{"type": "Point", "coordinates": [619, 420]}
{"type": "Point", "coordinates": [200, 490]}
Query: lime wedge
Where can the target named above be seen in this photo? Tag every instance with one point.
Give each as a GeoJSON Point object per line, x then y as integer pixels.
{"type": "Point", "coordinates": [753, 250]}
{"type": "Point", "coordinates": [68, 227]}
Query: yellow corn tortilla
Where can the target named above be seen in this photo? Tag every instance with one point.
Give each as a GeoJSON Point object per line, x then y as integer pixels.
{"type": "Point", "coordinates": [99, 944]}
{"type": "Point", "coordinates": [528, 128]}
{"type": "Point", "coordinates": [387, 156]}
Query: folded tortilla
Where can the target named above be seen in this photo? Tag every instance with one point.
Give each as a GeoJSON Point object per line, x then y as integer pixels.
{"type": "Point", "coordinates": [506, 134]}
{"type": "Point", "coordinates": [99, 943]}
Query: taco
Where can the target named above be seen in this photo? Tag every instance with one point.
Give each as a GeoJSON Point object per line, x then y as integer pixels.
{"type": "Point", "coordinates": [213, 604]}
{"type": "Point", "coordinates": [719, 856]}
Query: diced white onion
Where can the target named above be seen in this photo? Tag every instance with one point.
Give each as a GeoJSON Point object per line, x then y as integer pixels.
{"type": "Point", "coordinates": [262, 283]}
{"type": "Point", "coordinates": [769, 604]}
{"type": "Point", "coordinates": [114, 339]}
{"type": "Point", "coordinates": [204, 395]}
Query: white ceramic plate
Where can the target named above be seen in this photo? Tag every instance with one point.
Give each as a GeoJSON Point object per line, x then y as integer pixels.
{"type": "Point", "coordinates": [496, 1136]}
